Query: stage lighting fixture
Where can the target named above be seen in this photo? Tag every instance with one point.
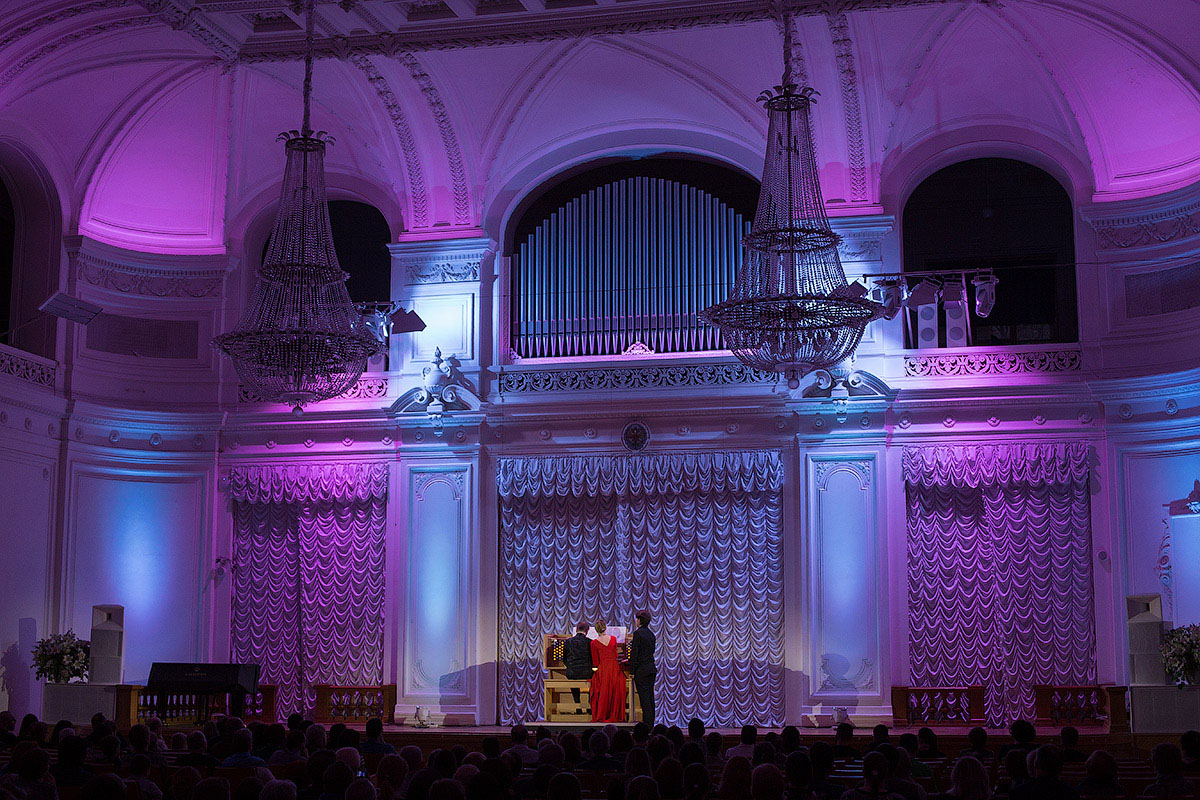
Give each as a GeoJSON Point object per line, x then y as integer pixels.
{"type": "Point", "coordinates": [72, 309]}
{"type": "Point", "coordinates": [924, 293]}
{"type": "Point", "coordinates": [405, 321]}
{"type": "Point", "coordinates": [890, 294]}
{"type": "Point", "coordinates": [985, 294]}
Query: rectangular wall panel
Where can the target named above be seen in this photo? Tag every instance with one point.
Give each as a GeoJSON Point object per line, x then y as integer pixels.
{"type": "Point", "coordinates": [843, 581]}
{"type": "Point", "coordinates": [138, 540]}
{"type": "Point", "coordinates": [438, 610]}
{"type": "Point", "coordinates": [24, 575]}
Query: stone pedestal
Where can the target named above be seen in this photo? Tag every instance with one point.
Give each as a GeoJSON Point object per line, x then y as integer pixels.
{"type": "Point", "coordinates": [1164, 709]}
{"type": "Point", "coordinates": [78, 702]}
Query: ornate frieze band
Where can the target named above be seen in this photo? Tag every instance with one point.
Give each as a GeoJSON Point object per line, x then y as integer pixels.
{"type": "Point", "coordinates": [992, 363]}
{"type": "Point", "coordinates": [1143, 230]}
{"type": "Point", "coordinates": [148, 281]}
{"type": "Point", "coordinates": [665, 376]}
{"type": "Point", "coordinates": [367, 388]}
{"type": "Point", "coordinates": [26, 368]}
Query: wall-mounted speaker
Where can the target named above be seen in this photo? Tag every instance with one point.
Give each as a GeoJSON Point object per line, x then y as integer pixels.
{"type": "Point", "coordinates": [107, 655]}
{"type": "Point", "coordinates": [1145, 626]}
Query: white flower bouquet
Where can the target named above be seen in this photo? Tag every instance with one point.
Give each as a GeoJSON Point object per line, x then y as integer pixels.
{"type": "Point", "coordinates": [1181, 654]}
{"type": "Point", "coordinates": [61, 657]}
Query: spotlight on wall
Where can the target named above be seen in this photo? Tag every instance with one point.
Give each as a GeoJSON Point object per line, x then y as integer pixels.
{"type": "Point", "coordinates": [923, 294]}
{"type": "Point", "coordinates": [72, 309]}
{"type": "Point", "coordinates": [985, 294]}
{"type": "Point", "coordinates": [889, 293]}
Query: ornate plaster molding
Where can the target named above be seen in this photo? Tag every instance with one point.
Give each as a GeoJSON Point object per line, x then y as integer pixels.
{"type": "Point", "coordinates": [993, 363]}
{"type": "Point", "coordinates": [861, 681]}
{"type": "Point", "coordinates": [661, 376]}
{"type": "Point", "coordinates": [418, 198]}
{"type": "Point", "coordinates": [147, 281]}
{"type": "Point", "coordinates": [843, 48]}
{"type": "Point", "coordinates": [458, 172]}
{"type": "Point", "coordinates": [1145, 229]}
{"type": "Point", "coordinates": [860, 468]}
{"type": "Point", "coordinates": [195, 23]}
{"type": "Point", "coordinates": [1163, 569]}
{"type": "Point", "coordinates": [82, 34]}
{"type": "Point", "coordinates": [439, 261]}
{"type": "Point", "coordinates": [368, 387]}
{"type": "Point", "coordinates": [26, 367]}
{"type": "Point", "coordinates": [61, 15]}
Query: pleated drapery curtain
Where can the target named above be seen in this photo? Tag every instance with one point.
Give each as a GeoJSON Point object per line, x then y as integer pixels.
{"type": "Point", "coordinates": [695, 538]}
{"type": "Point", "coordinates": [308, 587]}
{"type": "Point", "coordinates": [999, 570]}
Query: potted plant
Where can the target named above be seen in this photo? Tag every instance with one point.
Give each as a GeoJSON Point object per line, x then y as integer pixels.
{"type": "Point", "coordinates": [61, 658]}
{"type": "Point", "coordinates": [1181, 655]}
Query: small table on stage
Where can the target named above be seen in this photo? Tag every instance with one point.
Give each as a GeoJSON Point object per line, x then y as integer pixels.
{"type": "Point", "coordinates": [560, 700]}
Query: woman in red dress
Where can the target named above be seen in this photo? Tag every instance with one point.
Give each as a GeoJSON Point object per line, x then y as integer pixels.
{"type": "Point", "coordinates": [608, 681]}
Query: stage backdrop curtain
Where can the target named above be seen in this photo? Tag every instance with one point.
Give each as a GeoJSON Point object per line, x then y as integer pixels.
{"type": "Point", "coordinates": [308, 588]}
{"type": "Point", "coordinates": [999, 570]}
{"type": "Point", "coordinates": [695, 538]}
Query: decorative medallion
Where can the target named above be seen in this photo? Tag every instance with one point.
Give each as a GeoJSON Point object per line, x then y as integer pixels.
{"type": "Point", "coordinates": [731, 428]}
{"type": "Point", "coordinates": [948, 421]}
{"type": "Point", "coordinates": [1125, 411]}
{"type": "Point", "coordinates": [993, 421]}
{"type": "Point", "coordinates": [819, 423]}
{"type": "Point", "coordinates": [544, 433]}
{"type": "Point", "coordinates": [1085, 416]}
{"type": "Point", "coordinates": [114, 436]}
{"type": "Point", "coordinates": [197, 441]}
{"type": "Point", "coordinates": [155, 439]}
{"type": "Point", "coordinates": [1172, 407]}
{"type": "Point", "coordinates": [589, 433]}
{"type": "Point", "coordinates": [635, 436]}
{"type": "Point", "coordinates": [905, 420]}
{"type": "Point", "coordinates": [1039, 419]}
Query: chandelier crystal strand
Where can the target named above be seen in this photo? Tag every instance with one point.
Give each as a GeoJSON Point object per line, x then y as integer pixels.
{"type": "Point", "coordinates": [790, 310]}
{"type": "Point", "coordinates": [301, 340]}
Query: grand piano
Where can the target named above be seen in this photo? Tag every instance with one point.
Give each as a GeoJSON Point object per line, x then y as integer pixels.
{"type": "Point", "coordinates": [202, 689]}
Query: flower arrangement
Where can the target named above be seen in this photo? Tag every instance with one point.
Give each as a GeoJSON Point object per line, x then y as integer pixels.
{"type": "Point", "coordinates": [61, 657]}
{"type": "Point", "coordinates": [1181, 654]}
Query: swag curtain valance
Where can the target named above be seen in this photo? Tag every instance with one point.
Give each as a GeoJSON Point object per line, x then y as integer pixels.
{"type": "Point", "coordinates": [996, 464]}
{"type": "Point", "coordinates": [577, 476]}
{"type": "Point", "coordinates": [303, 483]}
{"type": "Point", "coordinates": [308, 590]}
{"type": "Point", "coordinates": [695, 538]}
{"type": "Point", "coordinates": [1000, 570]}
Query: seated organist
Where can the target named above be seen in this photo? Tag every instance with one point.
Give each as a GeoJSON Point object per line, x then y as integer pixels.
{"type": "Point", "coordinates": [577, 658]}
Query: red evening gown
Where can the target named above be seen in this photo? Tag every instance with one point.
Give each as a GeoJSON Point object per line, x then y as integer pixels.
{"type": "Point", "coordinates": [608, 683]}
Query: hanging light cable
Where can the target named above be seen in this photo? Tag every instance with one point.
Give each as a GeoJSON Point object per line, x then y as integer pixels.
{"type": "Point", "coordinates": [790, 310]}
{"type": "Point", "coordinates": [301, 340]}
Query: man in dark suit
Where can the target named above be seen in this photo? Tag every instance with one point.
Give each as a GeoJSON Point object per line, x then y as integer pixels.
{"type": "Point", "coordinates": [641, 665]}
{"type": "Point", "coordinates": [577, 658]}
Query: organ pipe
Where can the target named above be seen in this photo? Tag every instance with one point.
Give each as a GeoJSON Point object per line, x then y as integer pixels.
{"type": "Point", "coordinates": [630, 262]}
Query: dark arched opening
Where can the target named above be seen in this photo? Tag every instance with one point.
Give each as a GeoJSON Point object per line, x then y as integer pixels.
{"type": "Point", "coordinates": [1008, 216]}
{"type": "Point", "coordinates": [619, 257]}
{"type": "Point", "coordinates": [360, 239]}
{"type": "Point", "coordinates": [8, 231]}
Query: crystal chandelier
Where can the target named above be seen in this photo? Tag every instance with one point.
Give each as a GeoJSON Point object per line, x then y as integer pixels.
{"type": "Point", "coordinates": [301, 340]}
{"type": "Point", "coordinates": [790, 309]}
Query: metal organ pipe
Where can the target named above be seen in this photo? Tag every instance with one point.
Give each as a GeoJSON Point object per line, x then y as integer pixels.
{"type": "Point", "coordinates": [632, 261]}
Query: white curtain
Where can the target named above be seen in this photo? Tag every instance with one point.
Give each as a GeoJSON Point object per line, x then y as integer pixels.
{"type": "Point", "coordinates": [999, 570]}
{"type": "Point", "coordinates": [308, 588]}
{"type": "Point", "coordinates": [695, 538]}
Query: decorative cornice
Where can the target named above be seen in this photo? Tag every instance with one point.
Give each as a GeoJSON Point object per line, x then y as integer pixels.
{"type": "Point", "coordinates": [439, 261]}
{"type": "Point", "coordinates": [1146, 229]}
{"type": "Point", "coordinates": [408, 146]}
{"type": "Point", "coordinates": [993, 363]}
{"type": "Point", "coordinates": [563, 24]}
{"type": "Point", "coordinates": [661, 376]}
{"type": "Point", "coordinates": [843, 48]}
{"type": "Point", "coordinates": [61, 15]}
{"type": "Point", "coordinates": [458, 172]}
{"type": "Point", "coordinates": [25, 367]}
{"type": "Point", "coordinates": [148, 281]}
{"type": "Point", "coordinates": [195, 23]}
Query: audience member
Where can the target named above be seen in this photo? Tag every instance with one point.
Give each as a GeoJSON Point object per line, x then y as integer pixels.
{"type": "Point", "coordinates": [644, 788]}
{"type": "Point", "coordinates": [874, 785]}
{"type": "Point", "coordinates": [57, 732]}
{"type": "Point", "coordinates": [277, 789]}
{"type": "Point", "coordinates": [697, 783]}
{"type": "Point", "coordinates": [909, 743]}
{"type": "Point", "coordinates": [374, 743]}
{"type": "Point", "coordinates": [669, 777]}
{"type": "Point", "coordinates": [713, 745]}
{"type": "Point", "coordinates": [350, 757]}
{"type": "Point", "coordinates": [1016, 768]}
{"type": "Point", "coordinates": [212, 789]}
{"type": "Point", "coordinates": [745, 747]}
{"type": "Point", "coordinates": [335, 780]}
{"type": "Point", "coordinates": [927, 745]}
{"type": "Point", "coordinates": [390, 777]}
{"type": "Point", "coordinates": [249, 789]}
{"type": "Point", "coordinates": [142, 742]}
{"type": "Point", "coordinates": [182, 784]}
{"type": "Point", "coordinates": [1046, 763]}
{"type": "Point", "coordinates": [520, 745]}
{"type": "Point", "coordinates": [360, 789]}
{"type": "Point", "coordinates": [691, 753]}
{"type": "Point", "coordinates": [1024, 736]}
{"type": "Point", "coordinates": [600, 759]}
{"type": "Point", "coordinates": [1168, 768]}
{"type": "Point", "coordinates": [178, 743]}
{"type": "Point", "coordinates": [8, 723]}
{"type": "Point", "coordinates": [31, 777]}
{"type": "Point", "coordinates": [1101, 777]}
{"type": "Point", "coordinates": [314, 769]}
{"type": "Point", "coordinates": [695, 731]}
{"type": "Point", "coordinates": [197, 755]}
{"type": "Point", "coordinates": [968, 781]}
{"type": "Point", "coordinates": [766, 783]}
{"type": "Point", "coordinates": [1068, 737]}
{"type": "Point", "coordinates": [879, 736]}
{"type": "Point", "coordinates": [735, 779]}
{"type": "Point", "coordinates": [70, 769]}
{"type": "Point", "coordinates": [977, 746]}
{"type": "Point", "coordinates": [139, 776]}
{"type": "Point", "coordinates": [764, 753]}
{"type": "Point", "coordinates": [821, 756]}
{"type": "Point", "coordinates": [243, 741]}
{"type": "Point", "coordinates": [843, 742]}
{"type": "Point", "coordinates": [797, 774]}
{"type": "Point", "coordinates": [110, 751]}
{"type": "Point", "coordinates": [638, 763]}
{"type": "Point", "coordinates": [315, 738]}
{"type": "Point", "coordinates": [293, 749]}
